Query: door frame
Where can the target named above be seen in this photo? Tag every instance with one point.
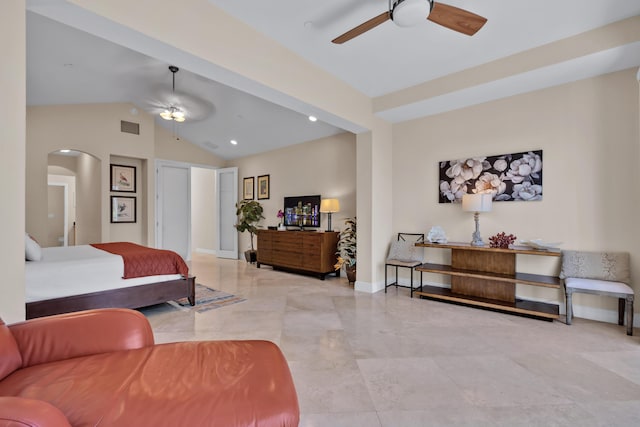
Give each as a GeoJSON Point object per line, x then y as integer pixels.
{"type": "Point", "coordinates": [158, 198]}
{"type": "Point", "coordinates": [233, 254]}
{"type": "Point", "coordinates": [65, 210]}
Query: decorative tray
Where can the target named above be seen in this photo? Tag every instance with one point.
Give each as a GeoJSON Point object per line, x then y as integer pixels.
{"type": "Point", "coordinates": [539, 244]}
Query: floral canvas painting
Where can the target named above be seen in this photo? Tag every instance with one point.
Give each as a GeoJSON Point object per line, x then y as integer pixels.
{"type": "Point", "coordinates": [509, 177]}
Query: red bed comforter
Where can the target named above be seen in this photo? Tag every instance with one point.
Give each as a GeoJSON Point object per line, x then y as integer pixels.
{"type": "Point", "coordinates": [140, 261]}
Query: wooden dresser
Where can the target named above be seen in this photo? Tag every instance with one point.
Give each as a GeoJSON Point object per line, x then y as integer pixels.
{"type": "Point", "coordinates": [299, 251]}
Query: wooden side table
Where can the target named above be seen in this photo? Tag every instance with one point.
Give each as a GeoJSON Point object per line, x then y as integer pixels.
{"type": "Point", "coordinates": [486, 277]}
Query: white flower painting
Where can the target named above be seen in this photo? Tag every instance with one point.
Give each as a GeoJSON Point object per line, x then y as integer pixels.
{"type": "Point", "coordinates": [508, 177]}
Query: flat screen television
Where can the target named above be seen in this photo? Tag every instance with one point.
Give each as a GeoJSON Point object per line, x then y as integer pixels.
{"type": "Point", "coordinates": [302, 211]}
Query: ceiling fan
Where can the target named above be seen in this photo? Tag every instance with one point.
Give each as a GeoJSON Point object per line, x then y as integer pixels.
{"type": "Point", "coordinates": [173, 105]}
{"type": "Point", "coordinates": [406, 13]}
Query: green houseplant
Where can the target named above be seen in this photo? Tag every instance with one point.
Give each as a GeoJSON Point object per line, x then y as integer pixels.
{"type": "Point", "coordinates": [249, 213]}
{"type": "Point", "coordinates": [347, 249]}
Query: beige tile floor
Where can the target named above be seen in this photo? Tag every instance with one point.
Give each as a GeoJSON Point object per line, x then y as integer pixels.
{"type": "Point", "coordinates": [388, 360]}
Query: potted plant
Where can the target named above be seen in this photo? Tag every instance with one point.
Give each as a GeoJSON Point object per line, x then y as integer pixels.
{"type": "Point", "coordinates": [280, 216]}
{"type": "Point", "coordinates": [249, 213]}
{"type": "Point", "coordinates": [347, 249]}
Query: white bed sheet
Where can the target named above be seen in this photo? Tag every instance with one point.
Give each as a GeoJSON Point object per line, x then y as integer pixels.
{"type": "Point", "coordinates": [75, 270]}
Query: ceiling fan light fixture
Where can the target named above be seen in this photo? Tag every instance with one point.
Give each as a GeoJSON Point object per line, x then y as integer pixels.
{"type": "Point", "coordinates": [409, 13]}
{"type": "Point", "coordinates": [173, 113]}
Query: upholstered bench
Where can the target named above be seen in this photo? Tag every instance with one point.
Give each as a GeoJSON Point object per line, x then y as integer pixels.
{"type": "Point", "coordinates": [599, 273]}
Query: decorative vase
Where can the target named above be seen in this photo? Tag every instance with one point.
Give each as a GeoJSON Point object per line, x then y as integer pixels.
{"type": "Point", "coordinates": [351, 273]}
{"type": "Point", "coordinates": [281, 227]}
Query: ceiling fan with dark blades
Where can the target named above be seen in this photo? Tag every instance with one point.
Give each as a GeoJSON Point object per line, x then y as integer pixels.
{"type": "Point", "coordinates": [406, 13]}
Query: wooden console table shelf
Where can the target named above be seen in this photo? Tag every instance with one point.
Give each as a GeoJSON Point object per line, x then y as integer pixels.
{"type": "Point", "coordinates": [487, 277]}
{"type": "Point", "coordinates": [299, 251]}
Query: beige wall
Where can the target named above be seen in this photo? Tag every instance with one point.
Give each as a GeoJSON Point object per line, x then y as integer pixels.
{"type": "Point", "coordinates": [89, 207]}
{"type": "Point", "coordinates": [92, 129]}
{"type": "Point", "coordinates": [203, 210]}
{"type": "Point", "coordinates": [96, 130]}
{"type": "Point", "coordinates": [12, 155]}
{"type": "Point", "coordinates": [588, 131]}
{"type": "Point", "coordinates": [325, 166]}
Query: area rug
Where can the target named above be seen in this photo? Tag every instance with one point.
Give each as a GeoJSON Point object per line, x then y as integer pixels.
{"type": "Point", "coordinates": [207, 299]}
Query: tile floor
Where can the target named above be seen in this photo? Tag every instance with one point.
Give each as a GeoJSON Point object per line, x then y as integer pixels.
{"type": "Point", "coordinates": [388, 360]}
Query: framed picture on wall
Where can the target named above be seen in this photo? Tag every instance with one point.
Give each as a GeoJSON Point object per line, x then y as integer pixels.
{"type": "Point", "coordinates": [123, 178]}
{"type": "Point", "coordinates": [123, 209]}
{"type": "Point", "coordinates": [263, 187]}
{"type": "Point", "coordinates": [247, 188]}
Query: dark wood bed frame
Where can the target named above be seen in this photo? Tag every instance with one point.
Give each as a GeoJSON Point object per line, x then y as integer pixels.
{"type": "Point", "coordinates": [132, 297]}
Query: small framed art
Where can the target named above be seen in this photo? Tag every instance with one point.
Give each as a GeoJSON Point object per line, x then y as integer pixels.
{"type": "Point", "coordinates": [123, 178]}
{"type": "Point", "coordinates": [123, 209]}
{"type": "Point", "coordinates": [247, 188]}
{"type": "Point", "coordinates": [263, 187]}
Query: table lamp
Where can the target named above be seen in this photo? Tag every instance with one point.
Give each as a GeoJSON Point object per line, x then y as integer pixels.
{"type": "Point", "coordinates": [329, 206]}
{"type": "Point", "coordinates": [477, 203]}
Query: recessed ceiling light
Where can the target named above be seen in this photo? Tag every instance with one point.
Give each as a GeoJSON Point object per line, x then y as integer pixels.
{"type": "Point", "coordinates": [313, 118]}
{"type": "Point", "coordinates": [233, 142]}
{"type": "Point", "coordinates": [65, 151]}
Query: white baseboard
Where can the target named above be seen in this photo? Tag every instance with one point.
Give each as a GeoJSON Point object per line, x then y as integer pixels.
{"type": "Point", "coordinates": [370, 288]}
{"type": "Point", "coordinates": [580, 311]}
{"type": "Point", "coordinates": [205, 251]}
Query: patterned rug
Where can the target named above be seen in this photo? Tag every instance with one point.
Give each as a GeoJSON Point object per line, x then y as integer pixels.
{"type": "Point", "coordinates": [207, 299]}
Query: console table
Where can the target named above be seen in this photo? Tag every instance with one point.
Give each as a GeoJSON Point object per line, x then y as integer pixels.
{"type": "Point", "coordinates": [300, 251]}
{"type": "Point", "coordinates": [487, 277]}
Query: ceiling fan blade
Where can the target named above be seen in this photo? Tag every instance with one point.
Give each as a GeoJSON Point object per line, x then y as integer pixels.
{"type": "Point", "coordinates": [456, 19]}
{"type": "Point", "coordinates": [362, 28]}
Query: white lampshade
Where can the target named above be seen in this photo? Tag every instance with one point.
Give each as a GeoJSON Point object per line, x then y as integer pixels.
{"type": "Point", "coordinates": [477, 202]}
{"type": "Point", "coordinates": [329, 205]}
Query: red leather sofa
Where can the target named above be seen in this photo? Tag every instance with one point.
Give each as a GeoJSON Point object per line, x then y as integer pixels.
{"type": "Point", "coordinates": [102, 368]}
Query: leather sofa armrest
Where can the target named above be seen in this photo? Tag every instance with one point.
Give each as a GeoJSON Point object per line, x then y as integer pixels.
{"type": "Point", "coordinates": [82, 333]}
{"type": "Point", "coordinates": [21, 412]}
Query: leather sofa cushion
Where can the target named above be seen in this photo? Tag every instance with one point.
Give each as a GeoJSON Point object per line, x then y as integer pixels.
{"type": "Point", "coordinates": [10, 358]}
{"type": "Point", "coordinates": [189, 383]}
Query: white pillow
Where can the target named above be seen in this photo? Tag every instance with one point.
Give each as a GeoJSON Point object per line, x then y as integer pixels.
{"type": "Point", "coordinates": [32, 250]}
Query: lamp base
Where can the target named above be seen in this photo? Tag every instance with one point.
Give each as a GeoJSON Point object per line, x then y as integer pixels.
{"type": "Point", "coordinates": [476, 240]}
{"type": "Point", "coordinates": [329, 225]}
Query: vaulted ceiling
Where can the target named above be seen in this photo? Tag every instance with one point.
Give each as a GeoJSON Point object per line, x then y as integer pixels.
{"type": "Point", "coordinates": [408, 72]}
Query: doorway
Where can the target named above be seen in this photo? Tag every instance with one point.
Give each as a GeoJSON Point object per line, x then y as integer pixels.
{"type": "Point", "coordinates": [195, 209]}
{"type": "Point", "coordinates": [57, 227]}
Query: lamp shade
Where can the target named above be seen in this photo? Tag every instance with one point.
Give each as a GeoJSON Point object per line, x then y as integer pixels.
{"type": "Point", "coordinates": [477, 202]}
{"type": "Point", "coordinates": [329, 205]}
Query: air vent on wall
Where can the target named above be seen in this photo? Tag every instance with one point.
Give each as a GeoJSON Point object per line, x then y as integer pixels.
{"type": "Point", "coordinates": [129, 127]}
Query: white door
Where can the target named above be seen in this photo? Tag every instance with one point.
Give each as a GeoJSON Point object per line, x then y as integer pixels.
{"type": "Point", "coordinates": [173, 208]}
{"type": "Point", "coordinates": [226, 199]}
{"type": "Point", "coordinates": [57, 226]}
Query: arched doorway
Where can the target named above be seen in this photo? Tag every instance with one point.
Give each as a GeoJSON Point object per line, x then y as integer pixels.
{"type": "Point", "coordinates": [73, 198]}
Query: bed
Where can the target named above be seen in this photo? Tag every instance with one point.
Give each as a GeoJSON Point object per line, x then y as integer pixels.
{"type": "Point", "coordinates": [120, 274]}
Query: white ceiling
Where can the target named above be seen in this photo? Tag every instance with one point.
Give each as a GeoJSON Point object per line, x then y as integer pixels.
{"type": "Point", "coordinates": [381, 61]}
{"type": "Point", "coordinates": [389, 58]}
